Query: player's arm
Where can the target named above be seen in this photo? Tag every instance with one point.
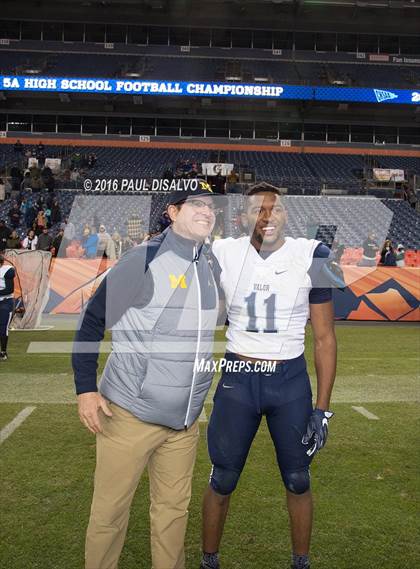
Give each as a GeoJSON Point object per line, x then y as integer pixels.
{"type": "Point", "coordinates": [325, 351]}
{"type": "Point", "coordinates": [322, 320]}
{"type": "Point", "coordinates": [325, 347]}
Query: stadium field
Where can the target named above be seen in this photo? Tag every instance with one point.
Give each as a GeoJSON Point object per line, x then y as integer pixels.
{"type": "Point", "coordinates": [365, 481]}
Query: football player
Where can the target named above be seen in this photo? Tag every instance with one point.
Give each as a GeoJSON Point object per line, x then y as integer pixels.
{"type": "Point", "coordinates": [7, 275]}
{"type": "Point", "coordinates": [272, 284]}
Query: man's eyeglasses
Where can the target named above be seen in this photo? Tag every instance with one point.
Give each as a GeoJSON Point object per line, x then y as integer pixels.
{"type": "Point", "coordinates": [197, 204]}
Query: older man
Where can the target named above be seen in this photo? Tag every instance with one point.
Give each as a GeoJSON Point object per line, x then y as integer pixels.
{"type": "Point", "coordinates": [161, 303]}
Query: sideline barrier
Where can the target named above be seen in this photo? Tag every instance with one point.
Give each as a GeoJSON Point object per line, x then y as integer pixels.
{"type": "Point", "coordinates": [383, 294]}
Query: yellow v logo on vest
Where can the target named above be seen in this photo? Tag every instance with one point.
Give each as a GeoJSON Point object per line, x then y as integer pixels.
{"type": "Point", "coordinates": [177, 281]}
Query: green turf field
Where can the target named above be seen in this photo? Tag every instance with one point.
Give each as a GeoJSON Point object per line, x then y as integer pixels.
{"type": "Point", "coordinates": [365, 482]}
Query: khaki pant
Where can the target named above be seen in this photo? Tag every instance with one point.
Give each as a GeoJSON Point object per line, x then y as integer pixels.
{"type": "Point", "coordinates": [123, 449]}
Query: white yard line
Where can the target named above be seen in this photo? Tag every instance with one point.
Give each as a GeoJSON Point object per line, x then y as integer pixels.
{"type": "Point", "coordinates": [365, 413]}
{"type": "Point", "coordinates": [17, 421]}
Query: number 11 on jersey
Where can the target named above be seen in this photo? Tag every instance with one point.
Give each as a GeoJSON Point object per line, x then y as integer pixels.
{"type": "Point", "coordinates": [270, 303]}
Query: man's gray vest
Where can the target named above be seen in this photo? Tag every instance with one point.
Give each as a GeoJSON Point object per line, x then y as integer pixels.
{"type": "Point", "coordinates": [165, 330]}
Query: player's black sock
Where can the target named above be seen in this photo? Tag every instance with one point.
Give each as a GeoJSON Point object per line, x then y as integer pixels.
{"type": "Point", "coordinates": [210, 560]}
{"type": "Point", "coordinates": [3, 343]}
{"type": "Point", "coordinates": [300, 561]}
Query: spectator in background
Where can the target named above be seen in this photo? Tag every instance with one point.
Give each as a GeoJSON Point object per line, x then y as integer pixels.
{"type": "Point", "coordinates": [106, 246]}
{"type": "Point", "coordinates": [26, 182]}
{"type": "Point", "coordinates": [44, 241]}
{"type": "Point", "coordinates": [4, 235]}
{"type": "Point", "coordinates": [30, 241]}
{"type": "Point", "coordinates": [127, 244]}
{"type": "Point", "coordinates": [37, 230]}
{"type": "Point", "coordinates": [232, 177]}
{"type": "Point", "coordinates": [40, 202]}
{"type": "Point", "coordinates": [74, 175]}
{"type": "Point", "coordinates": [90, 242]}
{"type": "Point", "coordinates": [36, 183]}
{"type": "Point", "coordinates": [387, 255]}
{"type": "Point", "coordinates": [23, 206]}
{"type": "Point", "coordinates": [412, 198]}
{"type": "Point", "coordinates": [18, 148]}
{"type": "Point", "coordinates": [30, 215]}
{"type": "Point", "coordinates": [69, 229]}
{"type": "Point", "coordinates": [116, 238]}
{"type": "Point", "coordinates": [48, 178]}
{"type": "Point", "coordinates": [13, 241]}
{"type": "Point", "coordinates": [40, 153]}
{"type": "Point", "coordinates": [16, 178]}
{"type": "Point", "coordinates": [55, 212]}
{"type": "Point", "coordinates": [41, 220]}
{"type": "Point", "coordinates": [370, 249]}
{"type": "Point", "coordinates": [14, 215]}
{"type": "Point", "coordinates": [47, 213]}
{"type": "Point", "coordinates": [76, 161]}
{"type": "Point", "coordinates": [56, 244]}
{"type": "Point", "coordinates": [7, 188]}
{"type": "Point", "coordinates": [50, 184]}
{"type": "Point", "coordinates": [400, 256]}
{"type": "Point", "coordinates": [91, 160]}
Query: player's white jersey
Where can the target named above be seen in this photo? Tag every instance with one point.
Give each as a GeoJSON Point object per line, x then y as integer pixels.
{"type": "Point", "coordinates": [267, 300]}
{"type": "Point", "coordinates": [3, 271]}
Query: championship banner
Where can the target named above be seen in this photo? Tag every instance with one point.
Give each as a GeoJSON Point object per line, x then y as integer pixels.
{"type": "Point", "coordinates": [388, 175]}
{"type": "Point", "coordinates": [212, 169]}
{"type": "Point", "coordinates": [208, 89]}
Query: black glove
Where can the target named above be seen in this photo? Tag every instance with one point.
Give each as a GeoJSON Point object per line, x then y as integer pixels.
{"type": "Point", "coordinates": [317, 431]}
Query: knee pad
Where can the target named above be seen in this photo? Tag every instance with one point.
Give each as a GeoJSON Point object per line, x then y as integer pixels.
{"type": "Point", "coordinates": [297, 482]}
{"type": "Point", "coordinates": [223, 481]}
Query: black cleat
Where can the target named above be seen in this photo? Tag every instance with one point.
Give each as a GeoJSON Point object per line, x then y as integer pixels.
{"type": "Point", "coordinates": [3, 356]}
{"type": "Point", "coordinates": [296, 567]}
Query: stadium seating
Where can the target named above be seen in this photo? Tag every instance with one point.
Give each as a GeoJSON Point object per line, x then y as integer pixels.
{"type": "Point", "coordinates": [303, 174]}
{"type": "Point", "coordinates": [299, 173]}
{"type": "Point", "coordinates": [191, 68]}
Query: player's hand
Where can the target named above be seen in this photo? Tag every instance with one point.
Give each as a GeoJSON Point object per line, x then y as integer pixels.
{"type": "Point", "coordinates": [89, 405]}
{"type": "Point", "coordinates": [317, 431]}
